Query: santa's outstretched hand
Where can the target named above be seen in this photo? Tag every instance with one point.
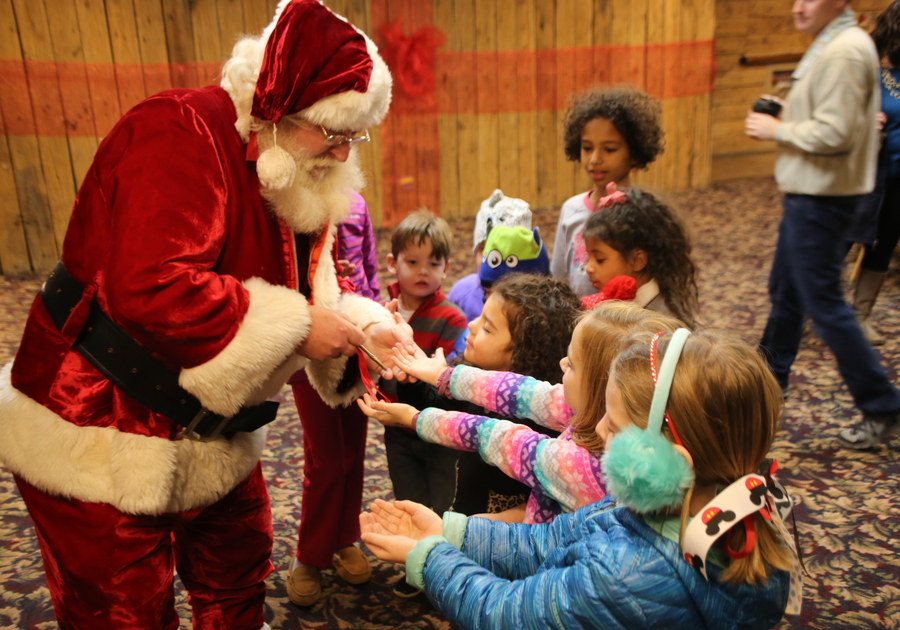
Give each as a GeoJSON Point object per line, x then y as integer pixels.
{"type": "Point", "coordinates": [381, 339]}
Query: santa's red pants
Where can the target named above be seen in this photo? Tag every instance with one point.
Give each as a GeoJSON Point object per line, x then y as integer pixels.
{"type": "Point", "coordinates": [107, 569]}
{"type": "Point", "coordinates": [334, 452]}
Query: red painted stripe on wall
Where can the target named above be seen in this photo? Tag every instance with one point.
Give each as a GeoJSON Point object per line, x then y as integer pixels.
{"type": "Point", "coordinates": [675, 70]}
{"type": "Point", "coordinates": [665, 70]}
{"type": "Point", "coordinates": [30, 93]}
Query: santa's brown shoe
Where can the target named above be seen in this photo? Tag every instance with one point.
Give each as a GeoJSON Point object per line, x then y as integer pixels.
{"type": "Point", "coordinates": [352, 565]}
{"type": "Point", "coordinates": [304, 583]}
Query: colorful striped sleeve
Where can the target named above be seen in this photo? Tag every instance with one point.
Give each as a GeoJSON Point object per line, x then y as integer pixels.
{"type": "Point", "coordinates": [512, 395]}
{"type": "Point", "coordinates": [558, 467]}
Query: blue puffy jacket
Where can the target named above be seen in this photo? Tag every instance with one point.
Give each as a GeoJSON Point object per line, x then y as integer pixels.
{"type": "Point", "coordinates": [599, 567]}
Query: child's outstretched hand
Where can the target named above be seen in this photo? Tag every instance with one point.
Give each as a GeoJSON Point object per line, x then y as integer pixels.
{"type": "Point", "coordinates": [391, 530]}
{"type": "Point", "coordinates": [405, 518]}
{"type": "Point", "coordinates": [418, 364]}
{"type": "Point", "coordinates": [388, 414]}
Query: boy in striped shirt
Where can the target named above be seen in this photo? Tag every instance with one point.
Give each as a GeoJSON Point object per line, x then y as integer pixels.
{"type": "Point", "coordinates": [419, 258]}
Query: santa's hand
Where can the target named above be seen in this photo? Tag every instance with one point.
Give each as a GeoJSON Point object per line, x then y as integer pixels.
{"type": "Point", "coordinates": [416, 363]}
{"type": "Point", "coordinates": [331, 334]}
{"type": "Point", "coordinates": [388, 414]}
{"type": "Point", "coordinates": [382, 337]}
{"type": "Point", "coordinates": [403, 518]}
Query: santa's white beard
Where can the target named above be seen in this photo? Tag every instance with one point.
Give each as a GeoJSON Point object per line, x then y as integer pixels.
{"type": "Point", "coordinates": [321, 191]}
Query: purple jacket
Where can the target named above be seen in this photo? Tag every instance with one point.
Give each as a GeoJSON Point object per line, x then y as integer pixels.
{"type": "Point", "coordinates": [356, 243]}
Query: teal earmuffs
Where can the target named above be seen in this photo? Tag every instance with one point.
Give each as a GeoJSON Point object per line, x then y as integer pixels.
{"type": "Point", "coordinates": [643, 469]}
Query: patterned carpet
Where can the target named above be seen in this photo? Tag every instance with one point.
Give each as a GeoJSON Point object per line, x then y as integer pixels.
{"type": "Point", "coordinates": [849, 513]}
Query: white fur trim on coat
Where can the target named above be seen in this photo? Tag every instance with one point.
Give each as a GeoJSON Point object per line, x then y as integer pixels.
{"type": "Point", "coordinates": [325, 375]}
{"type": "Point", "coordinates": [137, 474]}
{"type": "Point", "coordinates": [260, 358]}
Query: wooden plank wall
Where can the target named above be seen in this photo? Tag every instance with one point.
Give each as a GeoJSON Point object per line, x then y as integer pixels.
{"type": "Point", "coordinates": [753, 29]}
{"type": "Point", "coordinates": [68, 70]}
{"type": "Point", "coordinates": [503, 80]}
{"type": "Point", "coordinates": [502, 73]}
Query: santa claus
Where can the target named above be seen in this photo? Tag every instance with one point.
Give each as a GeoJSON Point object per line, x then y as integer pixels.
{"type": "Point", "coordinates": [197, 274]}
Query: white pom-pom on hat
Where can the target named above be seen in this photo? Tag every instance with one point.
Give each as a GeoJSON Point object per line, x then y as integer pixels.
{"type": "Point", "coordinates": [276, 168]}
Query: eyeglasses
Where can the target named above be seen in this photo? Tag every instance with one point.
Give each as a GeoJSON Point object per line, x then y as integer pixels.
{"type": "Point", "coordinates": [336, 139]}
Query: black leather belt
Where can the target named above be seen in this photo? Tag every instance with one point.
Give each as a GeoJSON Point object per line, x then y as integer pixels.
{"type": "Point", "coordinates": [134, 370]}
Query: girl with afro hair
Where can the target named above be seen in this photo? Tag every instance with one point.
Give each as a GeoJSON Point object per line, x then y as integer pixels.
{"type": "Point", "coordinates": [611, 131]}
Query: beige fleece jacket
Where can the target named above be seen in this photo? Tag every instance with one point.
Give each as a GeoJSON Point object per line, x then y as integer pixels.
{"type": "Point", "coordinates": [828, 141]}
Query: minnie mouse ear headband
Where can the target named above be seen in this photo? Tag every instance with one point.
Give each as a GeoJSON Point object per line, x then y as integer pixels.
{"type": "Point", "coordinates": [318, 65]}
{"type": "Point", "coordinates": [643, 469]}
{"type": "Point", "coordinates": [738, 503]}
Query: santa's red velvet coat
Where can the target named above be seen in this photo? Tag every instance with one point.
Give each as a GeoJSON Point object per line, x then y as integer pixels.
{"type": "Point", "coordinates": [171, 236]}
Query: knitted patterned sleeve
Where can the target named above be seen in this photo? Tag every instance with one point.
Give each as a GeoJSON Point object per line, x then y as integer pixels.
{"type": "Point", "coordinates": [559, 468]}
{"type": "Point", "coordinates": [512, 395]}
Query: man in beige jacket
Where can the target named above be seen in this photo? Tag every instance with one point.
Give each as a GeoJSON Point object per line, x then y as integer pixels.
{"type": "Point", "coordinates": [827, 148]}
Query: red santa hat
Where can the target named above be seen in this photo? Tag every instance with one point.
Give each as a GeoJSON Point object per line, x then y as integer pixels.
{"type": "Point", "coordinates": [320, 66]}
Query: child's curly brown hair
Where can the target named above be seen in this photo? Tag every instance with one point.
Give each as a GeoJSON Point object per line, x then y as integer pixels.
{"type": "Point", "coordinates": [542, 313]}
{"type": "Point", "coordinates": [635, 114]}
{"type": "Point", "coordinates": [646, 223]}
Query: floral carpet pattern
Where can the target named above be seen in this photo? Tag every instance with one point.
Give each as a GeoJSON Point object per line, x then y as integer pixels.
{"type": "Point", "coordinates": [849, 502]}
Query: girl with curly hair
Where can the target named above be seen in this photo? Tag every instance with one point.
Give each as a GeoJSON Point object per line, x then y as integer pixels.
{"type": "Point", "coordinates": [637, 235]}
{"type": "Point", "coordinates": [611, 131]}
{"type": "Point", "coordinates": [564, 472]}
{"type": "Point", "coordinates": [525, 327]}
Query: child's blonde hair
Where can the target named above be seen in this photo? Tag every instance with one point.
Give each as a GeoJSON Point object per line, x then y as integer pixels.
{"type": "Point", "coordinates": [417, 227]}
{"type": "Point", "coordinates": [606, 331]}
{"type": "Point", "coordinates": [646, 223]}
{"type": "Point", "coordinates": [726, 406]}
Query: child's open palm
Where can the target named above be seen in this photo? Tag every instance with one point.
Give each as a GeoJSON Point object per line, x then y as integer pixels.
{"type": "Point", "coordinates": [405, 518]}
{"type": "Point", "coordinates": [418, 364]}
{"type": "Point", "coordinates": [391, 530]}
{"type": "Point", "coordinates": [388, 414]}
